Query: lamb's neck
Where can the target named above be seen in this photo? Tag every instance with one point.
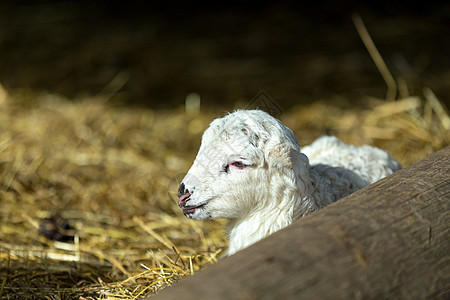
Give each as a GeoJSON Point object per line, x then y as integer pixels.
{"type": "Point", "coordinates": [324, 185]}
{"type": "Point", "coordinates": [246, 231]}
{"type": "Point", "coordinates": [329, 184]}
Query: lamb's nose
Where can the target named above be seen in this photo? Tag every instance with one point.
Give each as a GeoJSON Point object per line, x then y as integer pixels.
{"type": "Point", "coordinates": [181, 190]}
{"type": "Point", "coordinates": [182, 195]}
{"type": "Point", "coordinates": [182, 199]}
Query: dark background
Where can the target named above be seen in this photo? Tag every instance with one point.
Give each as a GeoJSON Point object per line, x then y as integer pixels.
{"type": "Point", "coordinates": [227, 51]}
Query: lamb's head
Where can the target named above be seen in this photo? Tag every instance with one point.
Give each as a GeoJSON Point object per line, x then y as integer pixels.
{"type": "Point", "coordinates": [247, 161]}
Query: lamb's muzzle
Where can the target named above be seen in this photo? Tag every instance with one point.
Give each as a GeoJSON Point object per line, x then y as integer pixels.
{"type": "Point", "coordinates": [183, 198]}
{"type": "Point", "coordinates": [250, 170]}
{"type": "Point", "coordinates": [182, 195]}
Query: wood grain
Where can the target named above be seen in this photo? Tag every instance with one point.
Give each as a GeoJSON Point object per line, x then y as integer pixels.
{"type": "Point", "coordinates": [389, 240]}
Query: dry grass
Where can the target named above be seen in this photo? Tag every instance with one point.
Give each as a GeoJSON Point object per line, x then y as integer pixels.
{"type": "Point", "coordinates": [112, 173]}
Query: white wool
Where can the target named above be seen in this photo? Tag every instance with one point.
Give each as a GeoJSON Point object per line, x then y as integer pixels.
{"type": "Point", "coordinates": [279, 183]}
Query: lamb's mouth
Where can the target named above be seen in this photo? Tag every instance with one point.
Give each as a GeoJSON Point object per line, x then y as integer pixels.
{"type": "Point", "coordinates": [187, 210]}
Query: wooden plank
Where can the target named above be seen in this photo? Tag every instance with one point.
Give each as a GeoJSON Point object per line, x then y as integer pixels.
{"type": "Point", "coordinates": [388, 240]}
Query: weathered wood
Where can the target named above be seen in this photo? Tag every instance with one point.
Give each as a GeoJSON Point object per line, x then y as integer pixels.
{"type": "Point", "coordinates": [388, 240]}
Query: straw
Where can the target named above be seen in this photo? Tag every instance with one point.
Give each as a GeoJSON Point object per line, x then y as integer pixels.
{"type": "Point", "coordinates": [112, 173]}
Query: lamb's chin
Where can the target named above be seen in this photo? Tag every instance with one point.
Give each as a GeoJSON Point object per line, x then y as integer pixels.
{"type": "Point", "coordinates": [197, 213]}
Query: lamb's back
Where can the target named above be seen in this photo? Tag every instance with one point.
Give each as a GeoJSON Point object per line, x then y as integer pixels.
{"type": "Point", "coordinates": [368, 162]}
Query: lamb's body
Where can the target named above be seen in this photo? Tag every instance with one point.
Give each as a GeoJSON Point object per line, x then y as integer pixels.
{"type": "Point", "coordinates": [250, 170]}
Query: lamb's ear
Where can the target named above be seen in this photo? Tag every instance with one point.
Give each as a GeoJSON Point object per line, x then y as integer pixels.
{"type": "Point", "coordinates": [279, 157]}
{"type": "Point", "coordinates": [304, 185]}
{"type": "Point", "coordinates": [291, 162]}
{"type": "Point", "coordinates": [300, 164]}
{"type": "Point", "coordinates": [294, 167]}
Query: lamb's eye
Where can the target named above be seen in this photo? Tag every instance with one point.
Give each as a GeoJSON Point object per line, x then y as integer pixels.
{"type": "Point", "coordinates": [238, 164]}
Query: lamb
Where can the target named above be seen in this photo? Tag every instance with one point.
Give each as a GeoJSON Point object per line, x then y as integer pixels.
{"type": "Point", "coordinates": [250, 170]}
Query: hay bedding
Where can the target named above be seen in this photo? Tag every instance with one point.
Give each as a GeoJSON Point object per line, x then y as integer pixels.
{"type": "Point", "coordinates": [87, 190]}
{"type": "Point", "coordinates": [109, 173]}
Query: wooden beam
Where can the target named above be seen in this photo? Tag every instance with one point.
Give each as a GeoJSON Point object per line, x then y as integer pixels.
{"type": "Point", "coordinates": [388, 240]}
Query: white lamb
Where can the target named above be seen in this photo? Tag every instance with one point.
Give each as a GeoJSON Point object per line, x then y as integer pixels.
{"type": "Point", "coordinates": [249, 169]}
